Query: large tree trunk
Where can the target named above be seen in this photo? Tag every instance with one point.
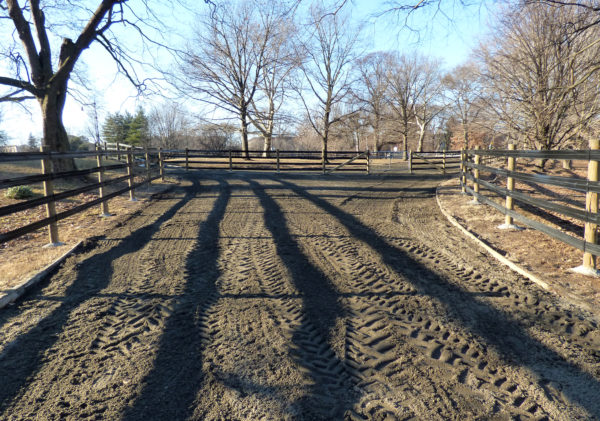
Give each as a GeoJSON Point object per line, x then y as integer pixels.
{"type": "Point", "coordinates": [378, 144]}
{"type": "Point", "coordinates": [54, 134]}
{"type": "Point", "coordinates": [268, 134]}
{"type": "Point", "coordinates": [267, 141]}
{"type": "Point", "coordinates": [405, 142]}
{"type": "Point", "coordinates": [325, 136]}
{"type": "Point", "coordinates": [421, 138]}
{"type": "Point", "coordinates": [244, 129]}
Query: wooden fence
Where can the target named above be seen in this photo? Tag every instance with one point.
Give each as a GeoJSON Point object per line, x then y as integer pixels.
{"type": "Point", "coordinates": [500, 180]}
{"type": "Point", "coordinates": [441, 161]}
{"type": "Point", "coordinates": [271, 161]}
{"type": "Point", "coordinates": [134, 161]}
{"type": "Point", "coordinates": [147, 165]}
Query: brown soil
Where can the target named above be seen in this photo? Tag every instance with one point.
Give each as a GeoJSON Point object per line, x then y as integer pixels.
{"type": "Point", "coordinates": [23, 257]}
{"type": "Point", "coordinates": [545, 258]}
{"type": "Point", "coordinates": [256, 296]}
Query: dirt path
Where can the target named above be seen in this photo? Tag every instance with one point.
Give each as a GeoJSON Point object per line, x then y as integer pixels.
{"type": "Point", "coordinates": [297, 297]}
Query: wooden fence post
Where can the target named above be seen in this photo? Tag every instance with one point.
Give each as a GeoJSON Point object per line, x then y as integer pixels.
{"type": "Point", "coordinates": [410, 166]}
{"type": "Point", "coordinates": [591, 206]}
{"type": "Point", "coordinates": [47, 169]}
{"type": "Point", "coordinates": [118, 152]}
{"type": "Point", "coordinates": [147, 156]}
{"type": "Point", "coordinates": [463, 171]}
{"type": "Point", "coordinates": [103, 205]}
{"type": "Point", "coordinates": [510, 186]}
{"type": "Point", "coordinates": [130, 172]}
{"type": "Point", "coordinates": [187, 159]}
{"type": "Point", "coordinates": [444, 161]}
{"type": "Point", "coordinates": [277, 154]}
{"type": "Point", "coordinates": [476, 177]}
{"type": "Point", "coordinates": [323, 166]}
{"type": "Point", "coordinates": [161, 164]}
{"type": "Point", "coordinates": [230, 161]}
{"type": "Point", "coordinates": [368, 153]}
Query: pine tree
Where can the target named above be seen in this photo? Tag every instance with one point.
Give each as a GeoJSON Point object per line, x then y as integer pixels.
{"type": "Point", "coordinates": [116, 127]}
{"type": "Point", "coordinates": [33, 143]}
{"type": "Point", "coordinates": [139, 130]}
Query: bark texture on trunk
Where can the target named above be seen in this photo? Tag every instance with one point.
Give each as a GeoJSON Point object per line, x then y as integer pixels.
{"type": "Point", "coordinates": [55, 136]}
{"type": "Point", "coordinates": [244, 130]}
{"type": "Point", "coordinates": [267, 142]}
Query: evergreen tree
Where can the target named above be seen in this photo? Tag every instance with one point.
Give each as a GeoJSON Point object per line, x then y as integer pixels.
{"type": "Point", "coordinates": [116, 127]}
{"type": "Point", "coordinates": [33, 143]}
{"type": "Point", "coordinates": [79, 143]}
{"type": "Point", "coordinates": [139, 130]}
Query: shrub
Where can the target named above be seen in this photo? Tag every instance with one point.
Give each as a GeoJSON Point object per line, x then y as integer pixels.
{"type": "Point", "coordinates": [19, 192]}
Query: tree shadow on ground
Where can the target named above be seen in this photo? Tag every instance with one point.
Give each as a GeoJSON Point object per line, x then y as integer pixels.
{"type": "Point", "coordinates": [18, 364]}
{"type": "Point", "coordinates": [171, 387]}
{"type": "Point", "coordinates": [493, 326]}
{"type": "Point", "coordinates": [331, 394]}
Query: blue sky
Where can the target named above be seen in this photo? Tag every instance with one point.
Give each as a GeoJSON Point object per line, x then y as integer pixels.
{"type": "Point", "coordinates": [449, 35]}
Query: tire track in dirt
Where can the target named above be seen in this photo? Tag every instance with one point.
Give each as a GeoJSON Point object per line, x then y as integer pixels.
{"type": "Point", "coordinates": [377, 298]}
{"type": "Point", "coordinates": [56, 336]}
{"type": "Point", "coordinates": [168, 390]}
{"type": "Point", "coordinates": [263, 298]}
{"type": "Point", "coordinates": [569, 331]}
{"type": "Point", "coordinates": [437, 347]}
{"type": "Point", "coordinates": [260, 287]}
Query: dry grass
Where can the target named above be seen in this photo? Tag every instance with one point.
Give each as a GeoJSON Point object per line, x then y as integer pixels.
{"type": "Point", "coordinates": [536, 252]}
{"type": "Point", "coordinates": [22, 257]}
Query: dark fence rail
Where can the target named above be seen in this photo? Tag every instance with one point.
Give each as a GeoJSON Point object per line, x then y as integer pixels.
{"type": "Point", "coordinates": [501, 182]}
{"type": "Point", "coordinates": [442, 161]}
{"type": "Point", "coordinates": [148, 165]}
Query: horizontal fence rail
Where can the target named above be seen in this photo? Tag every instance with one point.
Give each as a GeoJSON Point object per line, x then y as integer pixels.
{"type": "Point", "coordinates": [500, 181]}
{"type": "Point", "coordinates": [143, 164]}
{"type": "Point", "coordinates": [441, 161]}
{"type": "Point", "coordinates": [277, 160]}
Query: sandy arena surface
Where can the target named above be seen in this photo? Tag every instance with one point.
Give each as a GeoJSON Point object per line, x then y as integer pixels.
{"type": "Point", "coordinates": [258, 296]}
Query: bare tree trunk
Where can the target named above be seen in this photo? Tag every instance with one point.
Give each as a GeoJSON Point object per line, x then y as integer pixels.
{"type": "Point", "coordinates": [377, 135]}
{"type": "Point", "coordinates": [244, 132]}
{"type": "Point", "coordinates": [325, 135]}
{"type": "Point", "coordinates": [55, 135]}
{"type": "Point", "coordinates": [420, 144]}
{"type": "Point", "coordinates": [267, 143]}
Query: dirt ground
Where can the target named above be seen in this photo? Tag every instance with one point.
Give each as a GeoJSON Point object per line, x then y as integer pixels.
{"type": "Point", "coordinates": [23, 257]}
{"type": "Point", "coordinates": [263, 296]}
{"type": "Point", "coordinates": [545, 258]}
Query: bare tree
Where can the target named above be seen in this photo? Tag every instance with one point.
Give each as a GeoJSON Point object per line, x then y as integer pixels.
{"type": "Point", "coordinates": [169, 125]}
{"type": "Point", "coordinates": [281, 60]}
{"type": "Point", "coordinates": [93, 128]}
{"type": "Point", "coordinates": [3, 135]}
{"type": "Point", "coordinates": [330, 50]}
{"type": "Point", "coordinates": [409, 77]}
{"type": "Point", "coordinates": [226, 64]}
{"type": "Point", "coordinates": [463, 92]}
{"type": "Point", "coordinates": [372, 91]}
{"type": "Point", "coordinates": [38, 72]}
{"type": "Point", "coordinates": [539, 75]}
{"type": "Point", "coordinates": [428, 99]}
{"type": "Point", "coordinates": [215, 137]}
